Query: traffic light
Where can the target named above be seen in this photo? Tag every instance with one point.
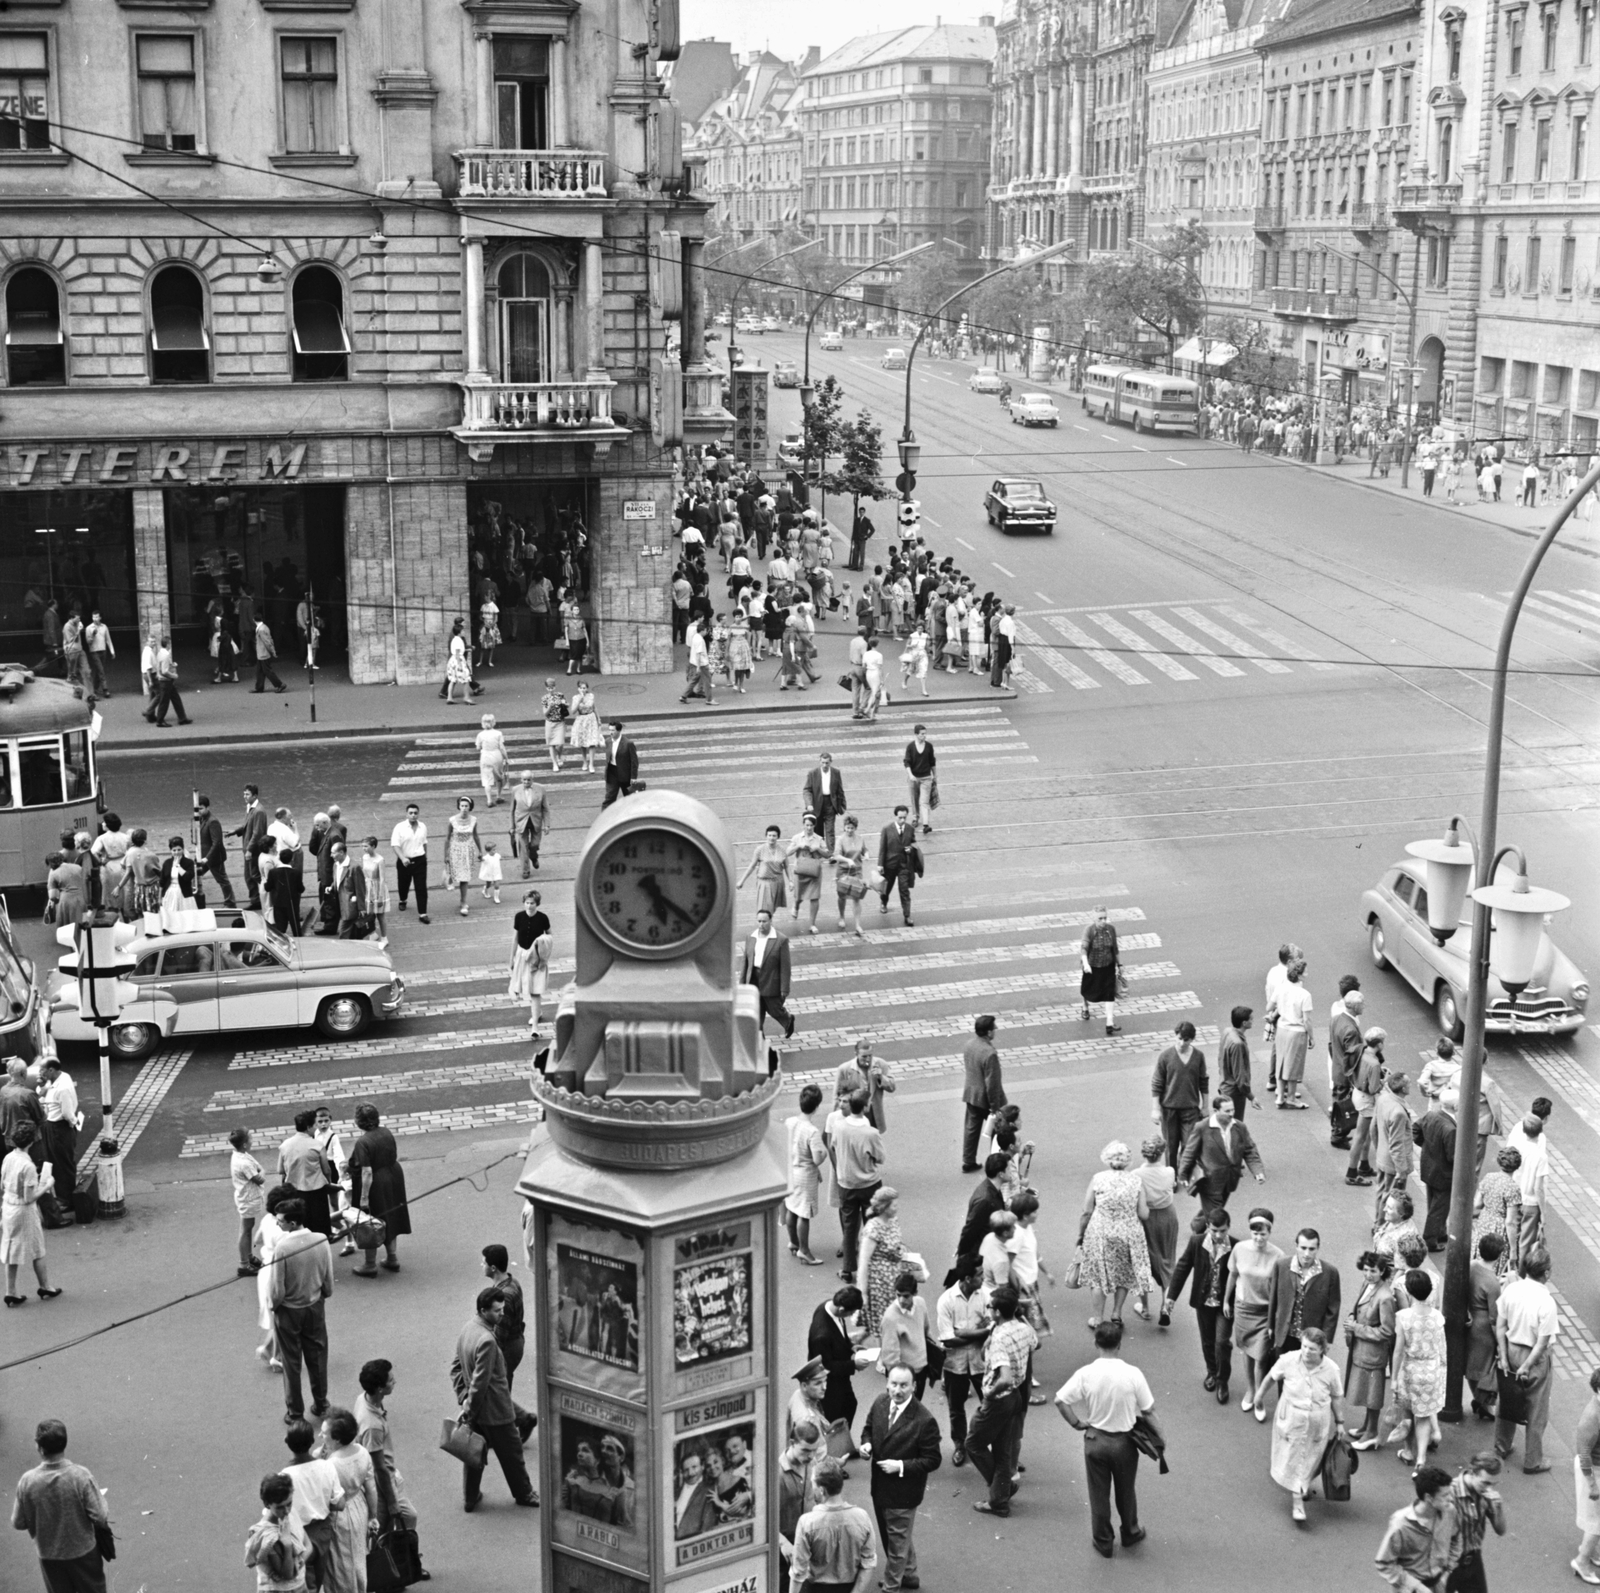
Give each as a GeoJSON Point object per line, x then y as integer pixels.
{"type": "Point", "coordinates": [910, 514]}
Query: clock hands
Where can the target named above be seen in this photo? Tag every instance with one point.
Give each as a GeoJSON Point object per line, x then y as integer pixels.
{"type": "Point", "coordinates": [660, 901]}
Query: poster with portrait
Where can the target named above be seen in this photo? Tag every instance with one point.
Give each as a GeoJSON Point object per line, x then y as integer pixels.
{"type": "Point", "coordinates": [596, 1282]}
{"type": "Point", "coordinates": [713, 1306]}
{"type": "Point", "coordinates": [716, 1488]}
{"type": "Point", "coordinates": [596, 1450]}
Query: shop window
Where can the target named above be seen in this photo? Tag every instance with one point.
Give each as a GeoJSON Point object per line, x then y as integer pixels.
{"type": "Point", "coordinates": [524, 295]}
{"type": "Point", "coordinates": [168, 101]}
{"type": "Point", "coordinates": [1523, 373]}
{"type": "Point", "coordinates": [24, 92]}
{"type": "Point", "coordinates": [1491, 373]}
{"type": "Point", "coordinates": [522, 91]}
{"type": "Point", "coordinates": [180, 350]}
{"type": "Point", "coordinates": [321, 345]}
{"type": "Point", "coordinates": [310, 69]}
{"type": "Point", "coordinates": [39, 772]}
{"type": "Point", "coordinates": [1557, 384]}
{"type": "Point", "coordinates": [36, 354]}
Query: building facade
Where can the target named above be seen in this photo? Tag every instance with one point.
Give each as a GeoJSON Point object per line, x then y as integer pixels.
{"type": "Point", "coordinates": [1204, 88]}
{"type": "Point", "coordinates": [896, 141]}
{"type": "Point", "coordinates": [1339, 84]}
{"type": "Point", "coordinates": [749, 146]}
{"type": "Point", "coordinates": [1504, 204]}
{"type": "Point", "coordinates": [389, 278]}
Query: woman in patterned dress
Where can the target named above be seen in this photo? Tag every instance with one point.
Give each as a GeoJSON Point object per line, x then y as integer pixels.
{"type": "Point", "coordinates": [740, 662]}
{"type": "Point", "coordinates": [1111, 1235]}
{"type": "Point", "coordinates": [850, 876]}
{"type": "Point", "coordinates": [464, 850]}
{"type": "Point", "coordinates": [881, 1259]}
{"type": "Point", "coordinates": [554, 706]}
{"type": "Point", "coordinates": [1498, 1208]}
{"type": "Point", "coordinates": [717, 658]}
{"type": "Point", "coordinates": [586, 735]}
{"type": "Point", "coordinates": [1419, 1365]}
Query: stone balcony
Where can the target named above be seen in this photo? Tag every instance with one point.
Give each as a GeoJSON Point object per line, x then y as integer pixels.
{"type": "Point", "coordinates": [1307, 304]}
{"type": "Point", "coordinates": [1270, 222]}
{"type": "Point", "coordinates": [547, 175]}
{"type": "Point", "coordinates": [536, 412]}
{"type": "Point", "coordinates": [1367, 221]}
{"type": "Point", "coordinates": [1428, 207]}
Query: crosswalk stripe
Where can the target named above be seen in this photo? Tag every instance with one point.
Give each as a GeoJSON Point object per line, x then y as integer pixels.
{"type": "Point", "coordinates": [381, 1046]}
{"type": "Point", "coordinates": [1108, 661]}
{"type": "Point", "coordinates": [1153, 655]}
{"type": "Point", "coordinates": [1196, 649]}
{"type": "Point", "coordinates": [1274, 639]}
{"type": "Point", "coordinates": [966, 990]}
{"type": "Point", "coordinates": [1026, 681]}
{"type": "Point", "coordinates": [284, 1094]}
{"type": "Point", "coordinates": [1569, 1077]}
{"type": "Point", "coordinates": [137, 1106]}
{"type": "Point", "coordinates": [1221, 634]}
{"type": "Point", "coordinates": [1078, 679]}
{"type": "Point", "coordinates": [1588, 611]}
{"type": "Point", "coordinates": [1539, 606]}
{"type": "Point", "coordinates": [489, 1114]}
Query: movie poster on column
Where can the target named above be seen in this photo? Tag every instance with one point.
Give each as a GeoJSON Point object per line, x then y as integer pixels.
{"type": "Point", "coordinates": [715, 1325]}
{"type": "Point", "coordinates": [599, 1452]}
{"type": "Point", "coordinates": [596, 1284]}
{"type": "Point", "coordinates": [715, 1479]}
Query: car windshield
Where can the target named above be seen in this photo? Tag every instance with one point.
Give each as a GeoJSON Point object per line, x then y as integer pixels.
{"type": "Point", "coordinates": [1024, 489]}
{"type": "Point", "coordinates": [987, 370]}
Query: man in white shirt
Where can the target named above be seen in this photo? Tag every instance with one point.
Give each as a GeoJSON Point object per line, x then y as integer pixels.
{"type": "Point", "coordinates": [58, 1098]}
{"type": "Point", "coordinates": [1529, 1140]}
{"type": "Point", "coordinates": [766, 966]}
{"type": "Point", "coordinates": [1104, 1400]}
{"type": "Point", "coordinates": [98, 645]}
{"type": "Point", "coordinates": [699, 665]}
{"type": "Point", "coordinates": [1277, 980]}
{"type": "Point", "coordinates": [1525, 1330]}
{"type": "Point", "coordinates": [410, 846]}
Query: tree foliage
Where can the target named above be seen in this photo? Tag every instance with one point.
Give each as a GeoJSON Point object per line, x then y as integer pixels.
{"type": "Point", "coordinates": [1155, 290]}
{"type": "Point", "coordinates": [1259, 365]}
{"type": "Point", "coordinates": [927, 281]}
{"type": "Point", "coordinates": [1012, 304]}
{"type": "Point", "coordinates": [861, 473]}
{"type": "Point", "coordinates": [822, 424]}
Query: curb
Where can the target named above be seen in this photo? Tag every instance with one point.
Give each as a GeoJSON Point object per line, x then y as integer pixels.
{"type": "Point", "coordinates": [311, 732]}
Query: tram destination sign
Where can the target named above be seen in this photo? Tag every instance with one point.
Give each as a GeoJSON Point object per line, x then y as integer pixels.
{"type": "Point", "coordinates": [36, 467]}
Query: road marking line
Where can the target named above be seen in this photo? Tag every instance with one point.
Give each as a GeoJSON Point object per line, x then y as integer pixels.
{"type": "Point", "coordinates": [1107, 437]}
{"type": "Point", "coordinates": [1077, 427]}
{"type": "Point", "coordinates": [966, 544]}
{"type": "Point", "coordinates": [915, 995]}
{"type": "Point", "coordinates": [491, 1115]}
{"type": "Point", "coordinates": [1080, 679]}
{"type": "Point", "coordinates": [1003, 570]}
{"type": "Point", "coordinates": [1048, 600]}
{"type": "Point", "coordinates": [931, 521]}
{"type": "Point", "coordinates": [136, 1108]}
{"type": "Point", "coordinates": [1179, 462]}
{"type": "Point", "coordinates": [1197, 650]}
{"type": "Point", "coordinates": [284, 1093]}
{"type": "Point", "coordinates": [1025, 680]}
{"type": "Point", "coordinates": [1220, 633]}
{"type": "Point", "coordinates": [1141, 450]}
{"type": "Point", "coordinates": [1108, 661]}
{"type": "Point", "coordinates": [1273, 639]}
{"type": "Point", "coordinates": [1152, 654]}
{"type": "Point", "coordinates": [1585, 610]}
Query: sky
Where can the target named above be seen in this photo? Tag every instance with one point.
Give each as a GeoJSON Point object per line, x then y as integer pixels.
{"type": "Point", "coordinates": [787, 29]}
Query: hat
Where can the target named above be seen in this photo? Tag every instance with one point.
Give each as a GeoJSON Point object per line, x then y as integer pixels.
{"type": "Point", "coordinates": [809, 1370]}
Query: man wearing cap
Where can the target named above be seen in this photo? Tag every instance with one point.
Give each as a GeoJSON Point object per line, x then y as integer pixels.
{"type": "Point", "coordinates": [1366, 1082]}
{"type": "Point", "coordinates": [920, 763]}
{"type": "Point", "coordinates": [1392, 1152]}
{"type": "Point", "coordinates": [1344, 1051]}
{"type": "Point", "coordinates": [833, 1547]}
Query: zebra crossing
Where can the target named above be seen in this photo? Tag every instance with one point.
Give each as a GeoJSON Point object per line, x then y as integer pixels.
{"type": "Point", "coordinates": [1571, 616]}
{"type": "Point", "coordinates": [1139, 644]}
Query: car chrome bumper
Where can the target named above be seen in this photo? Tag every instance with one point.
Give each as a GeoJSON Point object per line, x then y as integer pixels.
{"type": "Point", "coordinates": [1504, 1022]}
{"type": "Point", "coordinates": [395, 1000]}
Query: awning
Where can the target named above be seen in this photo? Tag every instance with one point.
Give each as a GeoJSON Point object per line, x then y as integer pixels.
{"type": "Point", "coordinates": [1216, 353]}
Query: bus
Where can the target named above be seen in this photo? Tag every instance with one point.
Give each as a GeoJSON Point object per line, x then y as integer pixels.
{"type": "Point", "coordinates": [49, 782]}
{"type": "Point", "coordinates": [1100, 388]}
{"type": "Point", "coordinates": [1154, 401]}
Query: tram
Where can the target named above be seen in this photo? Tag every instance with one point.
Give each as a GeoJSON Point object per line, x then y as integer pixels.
{"type": "Point", "coordinates": [49, 782]}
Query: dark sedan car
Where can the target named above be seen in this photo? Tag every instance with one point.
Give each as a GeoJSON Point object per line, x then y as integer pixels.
{"type": "Point", "coordinates": [1018, 503]}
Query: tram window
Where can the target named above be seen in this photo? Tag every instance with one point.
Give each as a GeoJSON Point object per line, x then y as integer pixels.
{"type": "Point", "coordinates": [79, 785]}
{"type": "Point", "coordinates": [39, 767]}
{"type": "Point", "coordinates": [6, 799]}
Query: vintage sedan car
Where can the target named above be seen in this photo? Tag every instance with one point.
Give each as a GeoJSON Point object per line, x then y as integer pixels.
{"type": "Point", "coordinates": [225, 971]}
{"type": "Point", "coordinates": [1018, 503]}
{"type": "Point", "coordinates": [1396, 914]}
{"type": "Point", "coordinates": [792, 449]}
{"type": "Point", "coordinates": [785, 373]}
{"type": "Point", "coordinates": [894, 359]}
{"type": "Point", "coordinates": [832, 342]}
{"type": "Point", "coordinates": [770, 323]}
{"type": "Point", "coordinates": [1034, 409]}
{"type": "Point", "coordinates": [986, 379]}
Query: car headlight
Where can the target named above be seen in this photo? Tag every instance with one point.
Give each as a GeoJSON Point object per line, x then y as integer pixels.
{"type": "Point", "coordinates": [1580, 994]}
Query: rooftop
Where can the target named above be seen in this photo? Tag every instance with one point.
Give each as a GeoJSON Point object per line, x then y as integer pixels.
{"type": "Point", "coordinates": [1306, 19]}
{"type": "Point", "coordinates": [942, 42]}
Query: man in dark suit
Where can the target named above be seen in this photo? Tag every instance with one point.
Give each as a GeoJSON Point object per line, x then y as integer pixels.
{"type": "Point", "coordinates": [1344, 1051]}
{"type": "Point", "coordinates": [350, 885]}
{"type": "Point", "coordinates": [622, 763]}
{"type": "Point", "coordinates": [327, 895]}
{"type": "Point", "coordinates": [901, 1442]}
{"type": "Point", "coordinates": [897, 858]}
{"type": "Point", "coordinates": [1215, 1154]}
{"type": "Point", "coordinates": [252, 831]}
{"type": "Point", "coordinates": [213, 853]}
{"type": "Point", "coordinates": [1204, 1266]}
{"type": "Point", "coordinates": [1304, 1293]}
{"type": "Point", "coordinates": [823, 796]}
{"type": "Point", "coordinates": [985, 1202]}
{"type": "Point", "coordinates": [983, 1093]}
{"type": "Point", "coordinates": [829, 1341]}
{"type": "Point", "coordinates": [1434, 1133]}
{"type": "Point", "coordinates": [766, 966]}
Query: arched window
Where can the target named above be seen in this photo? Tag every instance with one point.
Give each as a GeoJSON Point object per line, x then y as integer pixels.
{"type": "Point", "coordinates": [36, 354]}
{"type": "Point", "coordinates": [525, 354]}
{"type": "Point", "coordinates": [180, 350]}
{"type": "Point", "coordinates": [321, 344]}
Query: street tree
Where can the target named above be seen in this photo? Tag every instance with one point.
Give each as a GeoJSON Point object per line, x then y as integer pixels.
{"type": "Point", "coordinates": [823, 428]}
{"type": "Point", "coordinates": [1266, 370]}
{"type": "Point", "coordinates": [927, 281]}
{"type": "Point", "coordinates": [1156, 290]}
{"type": "Point", "coordinates": [861, 471]}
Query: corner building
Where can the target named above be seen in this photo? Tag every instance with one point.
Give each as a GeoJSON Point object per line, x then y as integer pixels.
{"type": "Point", "coordinates": [299, 293]}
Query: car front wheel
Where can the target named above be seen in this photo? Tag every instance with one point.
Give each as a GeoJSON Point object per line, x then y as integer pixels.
{"type": "Point", "coordinates": [1447, 1014]}
{"type": "Point", "coordinates": [131, 1042]}
{"type": "Point", "coordinates": [343, 1017]}
{"type": "Point", "coordinates": [1375, 944]}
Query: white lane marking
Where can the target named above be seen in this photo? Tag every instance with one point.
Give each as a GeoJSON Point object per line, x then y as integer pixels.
{"type": "Point", "coordinates": [1107, 437]}
{"type": "Point", "coordinates": [1172, 461]}
{"type": "Point", "coordinates": [1080, 679]}
{"type": "Point", "coordinates": [1048, 600]}
{"type": "Point", "coordinates": [1274, 639]}
{"type": "Point", "coordinates": [1077, 427]}
{"type": "Point", "coordinates": [1586, 610]}
{"type": "Point", "coordinates": [1108, 661]}
{"type": "Point", "coordinates": [136, 1107]}
{"type": "Point", "coordinates": [1003, 570]}
{"type": "Point", "coordinates": [1140, 449]}
{"type": "Point", "coordinates": [908, 995]}
{"type": "Point", "coordinates": [966, 544]}
{"type": "Point", "coordinates": [1152, 654]}
{"type": "Point", "coordinates": [1222, 634]}
{"type": "Point", "coordinates": [1197, 649]}
{"type": "Point", "coordinates": [1541, 606]}
{"type": "Point", "coordinates": [931, 521]}
{"type": "Point", "coordinates": [1025, 680]}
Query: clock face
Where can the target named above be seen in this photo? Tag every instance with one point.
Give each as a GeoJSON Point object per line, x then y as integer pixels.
{"type": "Point", "coordinates": [653, 888]}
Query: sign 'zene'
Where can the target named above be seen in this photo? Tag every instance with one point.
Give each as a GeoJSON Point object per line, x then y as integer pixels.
{"type": "Point", "coordinates": [131, 464]}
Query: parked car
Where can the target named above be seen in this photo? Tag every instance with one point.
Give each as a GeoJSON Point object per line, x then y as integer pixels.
{"type": "Point", "coordinates": [986, 379]}
{"type": "Point", "coordinates": [1018, 503]}
{"type": "Point", "coordinates": [748, 324]}
{"type": "Point", "coordinates": [832, 342]}
{"type": "Point", "coordinates": [232, 971]}
{"type": "Point", "coordinates": [792, 449]}
{"type": "Point", "coordinates": [785, 373]}
{"type": "Point", "coordinates": [894, 359]}
{"type": "Point", "coordinates": [1034, 409]}
{"type": "Point", "coordinates": [770, 323]}
{"type": "Point", "coordinates": [722, 318]}
{"type": "Point", "coordinates": [1395, 911]}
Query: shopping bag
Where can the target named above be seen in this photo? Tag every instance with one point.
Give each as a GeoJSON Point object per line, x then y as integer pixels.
{"type": "Point", "coordinates": [456, 1438]}
{"type": "Point", "coordinates": [1339, 1462]}
{"type": "Point", "coordinates": [1073, 1276]}
{"type": "Point", "coordinates": [384, 1574]}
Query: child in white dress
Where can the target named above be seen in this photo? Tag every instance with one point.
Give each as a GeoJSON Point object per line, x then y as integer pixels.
{"type": "Point", "coordinates": [489, 872]}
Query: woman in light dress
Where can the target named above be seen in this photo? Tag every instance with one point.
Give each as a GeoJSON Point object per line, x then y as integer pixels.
{"type": "Point", "coordinates": [808, 1156]}
{"type": "Point", "coordinates": [377, 885]}
{"type": "Point", "coordinates": [457, 669]}
{"type": "Point", "coordinates": [1586, 1482]}
{"type": "Point", "coordinates": [464, 849]}
{"type": "Point", "coordinates": [554, 706]}
{"type": "Point", "coordinates": [914, 660]}
{"type": "Point", "coordinates": [111, 847]}
{"type": "Point", "coordinates": [488, 631]}
{"type": "Point", "coordinates": [882, 1253]}
{"type": "Point", "coordinates": [355, 1523]}
{"type": "Point", "coordinates": [21, 1231]}
{"type": "Point", "coordinates": [586, 737]}
{"type": "Point", "coordinates": [268, 1235]}
{"type": "Point", "coordinates": [850, 874]}
{"type": "Point", "coordinates": [769, 863]}
{"type": "Point", "coordinates": [805, 855]}
{"type": "Point", "coordinates": [1245, 1303]}
{"type": "Point", "coordinates": [1419, 1365]}
{"type": "Point", "coordinates": [1161, 1225]}
{"type": "Point", "coordinates": [491, 745]}
{"type": "Point", "coordinates": [977, 650]}
{"type": "Point", "coordinates": [530, 957]}
{"type": "Point", "coordinates": [740, 662]}
{"type": "Point", "coordinates": [1111, 1235]}
{"type": "Point", "coordinates": [1293, 1007]}
{"type": "Point", "coordinates": [1307, 1418]}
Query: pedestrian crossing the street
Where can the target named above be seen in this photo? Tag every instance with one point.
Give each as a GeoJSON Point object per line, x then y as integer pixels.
{"type": "Point", "coordinates": [1141, 644]}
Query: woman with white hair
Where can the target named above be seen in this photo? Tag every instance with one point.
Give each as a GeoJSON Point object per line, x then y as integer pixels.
{"type": "Point", "coordinates": [1111, 1235]}
{"type": "Point", "coordinates": [1293, 1006]}
{"type": "Point", "coordinates": [491, 745]}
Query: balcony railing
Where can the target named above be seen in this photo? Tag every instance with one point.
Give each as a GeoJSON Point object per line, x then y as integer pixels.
{"type": "Point", "coordinates": [1311, 304]}
{"type": "Point", "coordinates": [554, 174]}
{"type": "Point", "coordinates": [1270, 218]}
{"type": "Point", "coordinates": [1369, 218]}
{"type": "Point", "coordinates": [554, 407]}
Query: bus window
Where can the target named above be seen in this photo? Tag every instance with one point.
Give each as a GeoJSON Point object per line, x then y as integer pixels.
{"type": "Point", "coordinates": [79, 783]}
{"type": "Point", "coordinates": [39, 767]}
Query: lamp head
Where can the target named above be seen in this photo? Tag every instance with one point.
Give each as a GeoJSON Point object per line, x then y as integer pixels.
{"type": "Point", "coordinates": [269, 271]}
{"type": "Point", "coordinates": [378, 241]}
{"type": "Point", "coordinates": [1517, 915]}
{"type": "Point", "coordinates": [1448, 872]}
{"type": "Point", "coordinates": [910, 453]}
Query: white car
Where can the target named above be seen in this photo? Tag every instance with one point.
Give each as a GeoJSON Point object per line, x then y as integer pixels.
{"type": "Point", "coordinates": [792, 449]}
{"type": "Point", "coordinates": [770, 323]}
{"type": "Point", "coordinates": [986, 379]}
{"type": "Point", "coordinates": [831, 342]}
{"type": "Point", "coordinates": [894, 359]}
{"type": "Point", "coordinates": [748, 324]}
{"type": "Point", "coordinates": [1034, 409]}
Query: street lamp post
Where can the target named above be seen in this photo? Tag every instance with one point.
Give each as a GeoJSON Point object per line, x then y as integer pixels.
{"type": "Point", "coordinates": [733, 303]}
{"type": "Point", "coordinates": [1505, 922]}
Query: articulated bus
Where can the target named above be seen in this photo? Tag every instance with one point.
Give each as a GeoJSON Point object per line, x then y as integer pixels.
{"type": "Point", "coordinates": [1146, 400]}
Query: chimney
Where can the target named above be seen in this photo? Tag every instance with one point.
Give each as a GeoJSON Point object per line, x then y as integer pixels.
{"type": "Point", "coordinates": [986, 22]}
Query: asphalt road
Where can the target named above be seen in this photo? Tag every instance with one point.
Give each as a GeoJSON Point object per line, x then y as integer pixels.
{"type": "Point", "coordinates": [1219, 792]}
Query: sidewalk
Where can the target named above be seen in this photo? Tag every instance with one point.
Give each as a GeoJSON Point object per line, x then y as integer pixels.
{"type": "Point", "coordinates": [223, 715]}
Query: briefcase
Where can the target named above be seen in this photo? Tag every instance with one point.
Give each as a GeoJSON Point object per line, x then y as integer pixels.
{"type": "Point", "coordinates": [459, 1440]}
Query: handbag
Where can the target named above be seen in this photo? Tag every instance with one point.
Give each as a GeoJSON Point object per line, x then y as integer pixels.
{"type": "Point", "coordinates": [936, 1354]}
{"type": "Point", "coordinates": [933, 793]}
{"type": "Point", "coordinates": [384, 1574]}
{"type": "Point", "coordinates": [847, 681]}
{"type": "Point", "coordinates": [457, 1439]}
{"type": "Point", "coordinates": [561, 642]}
{"type": "Point", "coordinates": [368, 1231]}
{"type": "Point", "coordinates": [1513, 1406]}
{"type": "Point", "coordinates": [807, 866]}
{"type": "Point", "coordinates": [1339, 1462]}
{"type": "Point", "coordinates": [1073, 1276]}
